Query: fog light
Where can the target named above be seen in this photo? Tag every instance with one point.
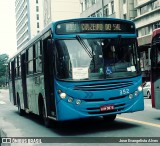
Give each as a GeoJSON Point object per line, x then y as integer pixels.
{"type": "Point", "coordinates": [136, 93]}
{"type": "Point", "coordinates": [130, 96]}
{"type": "Point", "coordinates": [78, 102]}
{"type": "Point", "coordinates": [63, 95]}
{"type": "Point", "coordinates": [70, 99]}
{"type": "Point", "coordinates": [140, 88]}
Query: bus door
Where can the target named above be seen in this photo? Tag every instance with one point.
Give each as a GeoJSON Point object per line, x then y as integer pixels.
{"type": "Point", "coordinates": [24, 84]}
{"type": "Point", "coordinates": [13, 82]}
{"type": "Point", "coordinates": [49, 75]}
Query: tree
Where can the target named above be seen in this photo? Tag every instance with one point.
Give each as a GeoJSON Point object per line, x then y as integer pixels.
{"type": "Point", "coordinates": [3, 68]}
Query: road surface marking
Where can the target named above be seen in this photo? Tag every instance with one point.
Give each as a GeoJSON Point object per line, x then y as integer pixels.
{"type": "Point", "coordinates": [140, 122]}
{"type": "Point", "coordinates": [2, 102]}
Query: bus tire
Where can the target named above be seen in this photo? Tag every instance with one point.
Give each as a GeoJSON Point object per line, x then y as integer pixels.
{"type": "Point", "coordinates": [46, 120]}
{"type": "Point", "coordinates": [20, 111]}
{"type": "Point", "coordinates": [109, 118]}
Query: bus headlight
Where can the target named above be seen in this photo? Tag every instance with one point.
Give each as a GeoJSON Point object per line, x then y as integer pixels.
{"type": "Point", "coordinates": [70, 99]}
{"type": "Point", "coordinates": [62, 95]}
{"type": "Point", "coordinates": [140, 88]}
{"type": "Point", "coordinates": [130, 96]}
{"type": "Point", "coordinates": [78, 102]}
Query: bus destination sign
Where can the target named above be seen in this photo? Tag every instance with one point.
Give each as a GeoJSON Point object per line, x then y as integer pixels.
{"type": "Point", "coordinates": [94, 26]}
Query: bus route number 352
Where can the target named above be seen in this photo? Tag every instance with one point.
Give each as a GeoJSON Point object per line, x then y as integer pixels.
{"type": "Point", "coordinates": [124, 91]}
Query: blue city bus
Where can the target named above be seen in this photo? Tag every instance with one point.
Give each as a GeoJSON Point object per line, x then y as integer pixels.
{"type": "Point", "coordinates": [78, 68]}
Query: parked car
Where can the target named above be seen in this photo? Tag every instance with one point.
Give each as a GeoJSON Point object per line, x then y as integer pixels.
{"type": "Point", "coordinates": [147, 89]}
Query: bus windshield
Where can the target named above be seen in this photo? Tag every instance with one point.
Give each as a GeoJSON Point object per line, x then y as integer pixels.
{"type": "Point", "coordinates": [96, 59]}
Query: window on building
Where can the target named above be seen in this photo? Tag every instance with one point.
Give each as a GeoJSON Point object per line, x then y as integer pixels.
{"type": "Point", "coordinates": [124, 1]}
{"type": "Point", "coordinates": [82, 7]}
{"type": "Point", "coordinates": [86, 4]}
{"type": "Point", "coordinates": [112, 7]}
{"type": "Point", "coordinates": [93, 2]}
{"type": "Point", "coordinates": [106, 11]}
{"type": "Point", "coordinates": [144, 30]}
{"type": "Point", "coordinates": [144, 9]}
{"type": "Point", "coordinates": [99, 13]}
{"type": "Point", "coordinates": [37, 16]}
{"type": "Point", "coordinates": [37, 9]}
{"type": "Point", "coordinates": [124, 16]}
{"type": "Point", "coordinates": [156, 25]}
{"type": "Point", "coordinates": [37, 24]}
{"type": "Point", "coordinates": [155, 4]}
{"type": "Point", "coordinates": [37, 1]}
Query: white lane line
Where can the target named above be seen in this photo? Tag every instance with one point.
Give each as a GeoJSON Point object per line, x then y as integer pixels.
{"type": "Point", "coordinates": [138, 121]}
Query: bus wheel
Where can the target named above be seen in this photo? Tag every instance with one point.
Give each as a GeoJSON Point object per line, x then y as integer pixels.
{"type": "Point", "coordinates": [109, 118]}
{"type": "Point", "coordinates": [20, 111]}
{"type": "Point", "coordinates": [46, 120]}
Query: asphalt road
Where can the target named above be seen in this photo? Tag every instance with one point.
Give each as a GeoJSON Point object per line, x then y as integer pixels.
{"type": "Point", "coordinates": [142, 126]}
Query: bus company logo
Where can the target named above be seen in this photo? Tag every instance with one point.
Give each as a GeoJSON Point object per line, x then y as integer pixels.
{"type": "Point", "coordinates": [6, 140]}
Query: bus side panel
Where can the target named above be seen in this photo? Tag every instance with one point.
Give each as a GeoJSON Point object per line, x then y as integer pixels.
{"type": "Point", "coordinates": [11, 92]}
{"type": "Point", "coordinates": [38, 85]}
{"type": "Point", "coordinates": [19, 92]}
{"type": "Point", "coordinates": [34, 88]}
{"type": "Point", "coordinates": [31, 94]}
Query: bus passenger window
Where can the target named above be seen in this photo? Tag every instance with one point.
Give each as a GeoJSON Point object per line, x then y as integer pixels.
{"type": "Point", "coordinates": [15, 67]}
{"type": "Point", "coordinates": [30, 60]}
{"type": "Point", "coordinates": [34, 59]}
{"type": "Point", "coordinates": [19, 66]}
{"type": "Point", "coordinates": [38, 56]}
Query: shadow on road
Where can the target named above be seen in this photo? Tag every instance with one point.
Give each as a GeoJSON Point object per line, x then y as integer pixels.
{"type": "Point", "coordinates": [83, 126]}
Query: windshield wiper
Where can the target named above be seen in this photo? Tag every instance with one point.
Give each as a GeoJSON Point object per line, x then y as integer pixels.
{"type": "Point", "coordinates": [83, 44]}
{"type": "Point", "coordinates": [86, 48]}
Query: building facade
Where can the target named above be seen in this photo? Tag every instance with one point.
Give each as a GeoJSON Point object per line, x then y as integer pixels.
{"type": "Point", "coordinates": [60, 9]}
{"type": "Point", "coordinates": [108, 8]}
{"type": "Point", "coordinates": [29, 20]}
{"type": "Point", "coordinates": [148, 19]}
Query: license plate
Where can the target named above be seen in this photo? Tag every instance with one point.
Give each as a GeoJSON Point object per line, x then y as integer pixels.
{"type": "Point", "coordinates": [106, 108]}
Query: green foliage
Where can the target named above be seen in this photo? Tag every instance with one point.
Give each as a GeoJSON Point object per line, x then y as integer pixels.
{"type": "Point", "coordinates": [3, 68]}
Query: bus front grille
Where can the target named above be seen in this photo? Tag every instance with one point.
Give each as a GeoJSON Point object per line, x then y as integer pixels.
{"type": "Point", "coordinates": [103, 86]}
